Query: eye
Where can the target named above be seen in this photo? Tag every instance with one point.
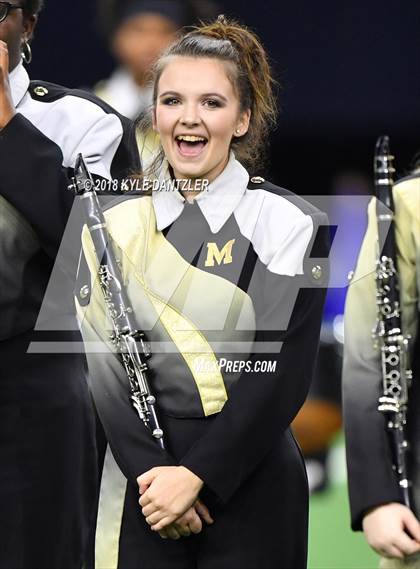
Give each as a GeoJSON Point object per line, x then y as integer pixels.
{"type": "Point", "coordinates": [170, 101]}
{"type": "Point", "coordinates": [212, 103]}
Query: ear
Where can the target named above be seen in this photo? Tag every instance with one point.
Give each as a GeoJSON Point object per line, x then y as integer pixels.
{"type": "Point", "coordinates": [29, 27]}
{"type": "Point", "coordinates": [242, 124]}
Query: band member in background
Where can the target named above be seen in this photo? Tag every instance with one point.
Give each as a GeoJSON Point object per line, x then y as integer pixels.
{"type": "Point", "coordinates": [47, 444]}
{"type": "Point", "coordinates": [139, 31]}
{"type": "Point", "coordinates": [390, 527]}
{"type": "Point", "coordinates": [228, 284]}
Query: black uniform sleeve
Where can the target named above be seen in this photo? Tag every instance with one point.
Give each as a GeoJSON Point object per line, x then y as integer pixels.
{"type": "Point", "coordinates": [261, 405]}
{"type": "Point", "coordinates": [34, 180]}
{"type": "Point", "coordinates": [132, 444]}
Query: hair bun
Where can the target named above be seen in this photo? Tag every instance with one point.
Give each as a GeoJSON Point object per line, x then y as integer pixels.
{"type": "Point", "coordinates": [222, 28]}
{"type": "Point", "coordinates": [221, 19]}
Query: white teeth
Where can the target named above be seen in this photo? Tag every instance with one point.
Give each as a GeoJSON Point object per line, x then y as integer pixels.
{"type": "Point", "coordinates": [191, 138]}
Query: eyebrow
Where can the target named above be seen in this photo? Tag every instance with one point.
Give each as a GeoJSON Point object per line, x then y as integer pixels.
{"type": "Point", "coordinates": [174, 93]}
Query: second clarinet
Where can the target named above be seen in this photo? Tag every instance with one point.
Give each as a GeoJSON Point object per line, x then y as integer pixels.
{"type": "Point", "coordinates": [393, 344]}
{"type": "Point", "coordinates": [130, 341]}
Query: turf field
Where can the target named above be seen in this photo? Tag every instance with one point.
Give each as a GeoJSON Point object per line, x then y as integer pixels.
{"type": "Point", "coordinates": [332, 545]}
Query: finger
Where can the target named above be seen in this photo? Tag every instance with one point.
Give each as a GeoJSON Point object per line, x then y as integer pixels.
{"type": "Point", "coordinates": [183, 530]}
{"type": "Point", "coordinates": [148, 510]}
{"type": "Point", "coordinates": [144, 500]}
{"type": "Point", "coordinates": [143, 487]}
{"type": "Point", "coordinates": [163, 533]}
{"type": "Point", "coordinates": [172, 532]}
{"type": "Point", "coordinates": [155, 518]}
{"type": "Point", "coordinates": [412, 525]}
{"type": "Point", "coordinates": [192, 520]}
{"type": "Point", "coordinates": [392, 552]}
{"type": "Point", "coordinates": [148, 476]}
{"type": "Point", "coordinates": [195, 523]}
{"type": "Point", "coordinates": [163, 523]}
{"type": "Point", "coordinates": [203, 511]}
{"type": "Point", "coordinates": [146, 479]}
{"type": "Point", "coordinates": [405, 544]}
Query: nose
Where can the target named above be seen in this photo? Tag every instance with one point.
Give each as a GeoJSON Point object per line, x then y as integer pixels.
{"type": "Point", "coordinates": [190, 115]}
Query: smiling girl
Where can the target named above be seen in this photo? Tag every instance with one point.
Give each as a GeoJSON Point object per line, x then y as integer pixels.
{"type": "Point", "coordinates": [232, 273]}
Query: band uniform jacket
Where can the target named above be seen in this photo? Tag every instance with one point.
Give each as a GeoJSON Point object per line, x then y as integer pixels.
{"type": "Point", "coordinates": [123, 94]}
{"type": "Point", "coordinates": [371, 479]}
{"type": "Point", "coordinates": [239, 275]}
{"type": "Point", "coordinates": [47, 460]}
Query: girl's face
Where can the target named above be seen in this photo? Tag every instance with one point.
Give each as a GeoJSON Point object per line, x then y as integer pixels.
{"type": "Point", "coordinates": [196, 115]}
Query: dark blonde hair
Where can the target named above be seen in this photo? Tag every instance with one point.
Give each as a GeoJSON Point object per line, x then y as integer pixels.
{"type": "Point", "coordinates": [249, 71]}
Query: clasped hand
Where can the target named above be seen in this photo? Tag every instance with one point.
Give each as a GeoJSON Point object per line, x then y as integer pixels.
{"type": "Point", "coordinates": [392, 530]}
{"type": "Point", "coordinates": [169, 501]}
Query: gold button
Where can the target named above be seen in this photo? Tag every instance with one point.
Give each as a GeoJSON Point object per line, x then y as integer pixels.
{"type": "Point", "coordinates": [84, 292]}
{"type": "Point", "coordinates": [257, 180]}
{"type": "Point", "coordinates": [41, 91]}
{"type": "Point", "coordinates": [317, 272]}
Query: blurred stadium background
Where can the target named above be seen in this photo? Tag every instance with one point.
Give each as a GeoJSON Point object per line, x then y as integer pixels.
{"type": "Point", "coordinates": [332, 544]}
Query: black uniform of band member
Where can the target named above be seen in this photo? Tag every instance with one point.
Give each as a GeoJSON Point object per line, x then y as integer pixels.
{"type": "Point", "coordinates": [236, 277]}
{"type": "Point", "coordinates": [372, 480]}
{"type": "Point", "coordinates": [48, 450]}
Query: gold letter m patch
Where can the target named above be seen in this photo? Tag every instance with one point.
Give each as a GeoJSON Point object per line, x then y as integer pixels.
{"type": "Point", "coordinates": [213, 254]}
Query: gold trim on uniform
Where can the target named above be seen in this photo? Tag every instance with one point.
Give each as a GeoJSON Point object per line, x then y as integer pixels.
{"type": "Point", "coordinates": [110, 514]}
{"type": "Point", "coordinates": [195, 350]}
{"type": "Point", "coordinates": [169, 296]}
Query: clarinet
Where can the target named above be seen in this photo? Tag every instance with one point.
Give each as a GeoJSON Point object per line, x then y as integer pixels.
{"type": "Point", "coordinates": [125, 336]}
{"type": "Point", "coordinates": [393, 344]}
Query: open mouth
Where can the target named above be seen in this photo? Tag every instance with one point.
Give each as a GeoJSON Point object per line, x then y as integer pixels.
{"type": "Point", "coordinates": [190, 145]}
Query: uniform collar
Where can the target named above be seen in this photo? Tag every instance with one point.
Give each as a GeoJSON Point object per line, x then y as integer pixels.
{"type": "Point", "coordinates": [217, 203]}
{"type": "Point", "coordinates": [123, 93]}
{"type": "Point", "coordinates": [19, 83]}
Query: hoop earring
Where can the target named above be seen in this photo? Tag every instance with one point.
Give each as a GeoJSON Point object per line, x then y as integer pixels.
{"type": "Point", "coordinates": [26, 52]}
